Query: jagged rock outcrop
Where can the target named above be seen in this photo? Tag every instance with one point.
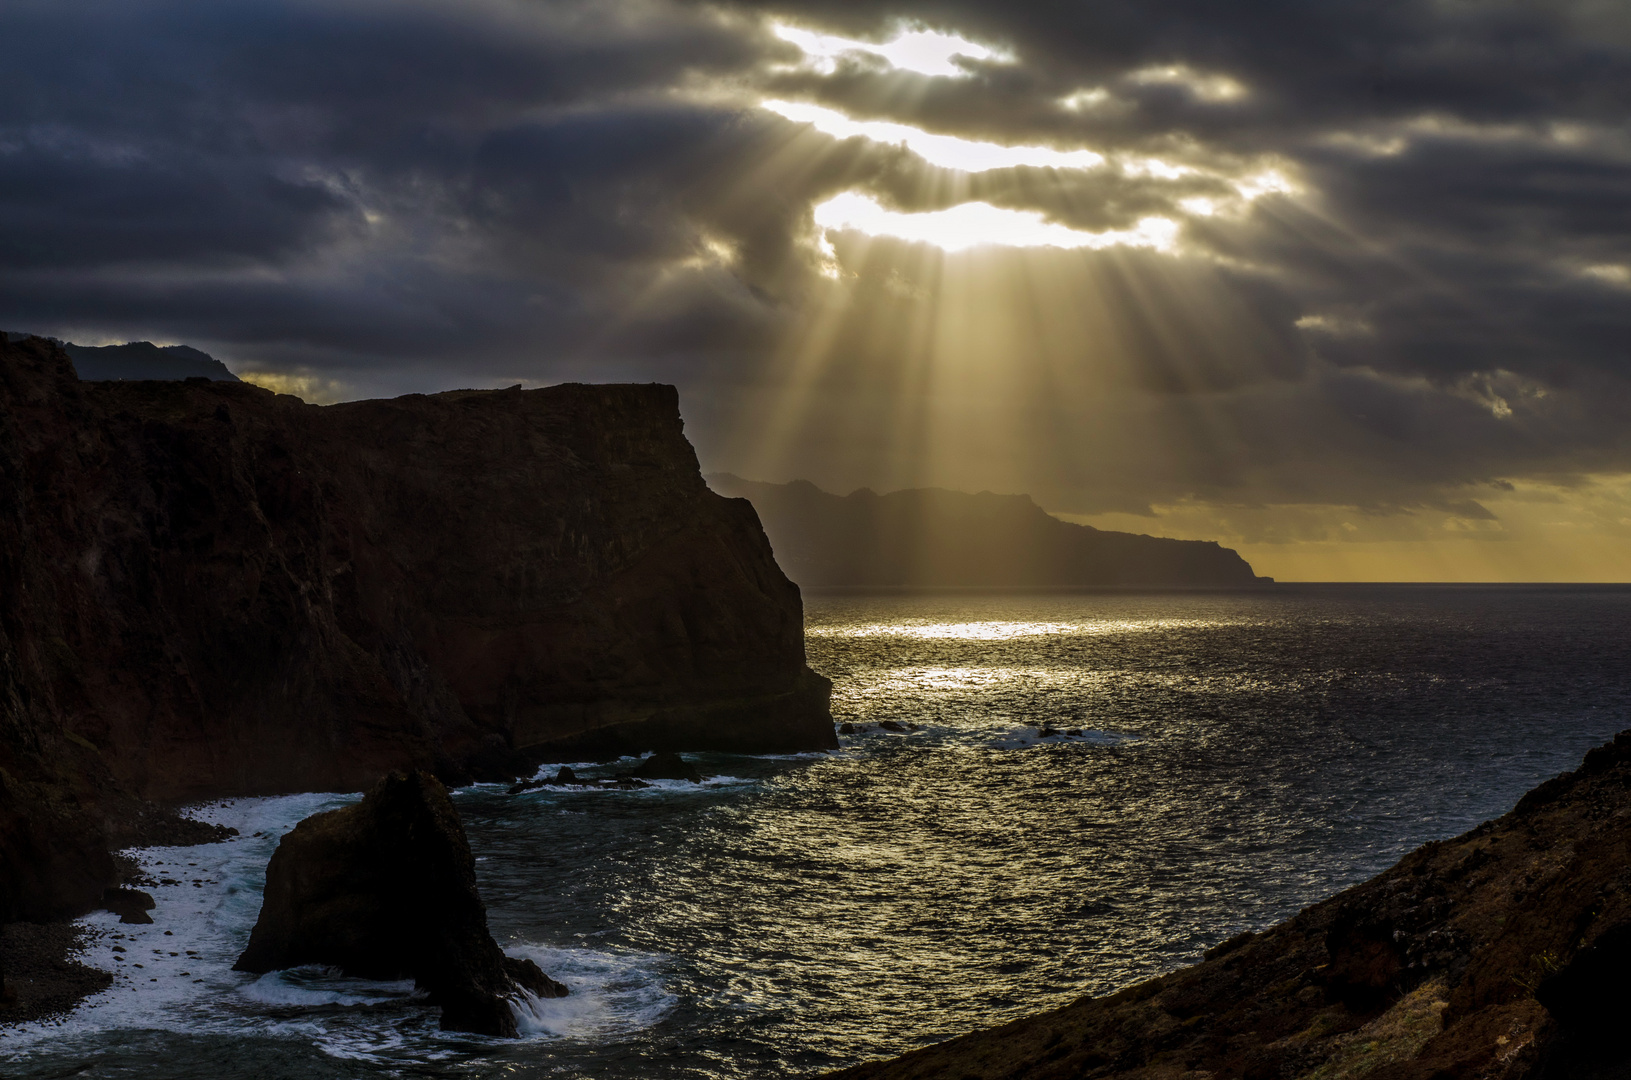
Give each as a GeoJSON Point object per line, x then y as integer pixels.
{"type": "Point", "coordinates": [207, 589]}
{"type": "Point", "coordinates": [1499, 955]}
{"type": "Point", "coordinates": [930, 537]}
{"type": "Point", "coordinates": [386, 889]}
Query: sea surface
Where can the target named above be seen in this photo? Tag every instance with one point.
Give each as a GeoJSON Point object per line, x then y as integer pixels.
{"type": "Point", "coordinates": [1239, 756]}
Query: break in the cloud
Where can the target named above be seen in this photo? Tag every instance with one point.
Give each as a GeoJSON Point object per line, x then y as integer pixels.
{"type": "Point", "coordinates": [1305, 276]}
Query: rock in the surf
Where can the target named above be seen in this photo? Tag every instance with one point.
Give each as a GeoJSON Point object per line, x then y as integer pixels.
{"type": "Point", "coordinates": [386, 889]}
{"type": "Point", "coordinates": [667, 765]}
{"type": "Point", "coordinates": [131, 905]}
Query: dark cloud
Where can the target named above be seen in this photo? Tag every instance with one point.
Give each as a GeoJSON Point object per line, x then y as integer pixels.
{"type": "Point", "coordinates": [424, 194]}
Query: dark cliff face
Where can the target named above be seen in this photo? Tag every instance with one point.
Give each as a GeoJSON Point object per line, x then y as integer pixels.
{"type": "Point", "coordinates": [208, 589]}
{"type": "Point", "coordinates": [1498, 955]}
{"type": "Point", "coordinates": [927, 537]}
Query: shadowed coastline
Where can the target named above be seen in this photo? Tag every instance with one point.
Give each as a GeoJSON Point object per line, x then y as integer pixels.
{"type": "Point", "coordinates": [207, 589]}
{"type": "Point", "coordinates": [933, 538]}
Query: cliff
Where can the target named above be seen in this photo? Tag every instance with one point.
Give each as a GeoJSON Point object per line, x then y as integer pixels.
{"type": "Point", "coordinates": [927, 537]}
{"type": "Point", "coordinates": [207, 589]}
{"type": "Point", "coordinates": [1500, 955]}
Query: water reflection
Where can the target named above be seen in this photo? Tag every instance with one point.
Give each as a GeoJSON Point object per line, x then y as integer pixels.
{"type": "Point", "coordinates": [1238, 757]}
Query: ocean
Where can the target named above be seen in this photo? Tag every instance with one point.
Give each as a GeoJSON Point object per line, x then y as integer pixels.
{"type": "Point", "coordinates": [1079, 791]}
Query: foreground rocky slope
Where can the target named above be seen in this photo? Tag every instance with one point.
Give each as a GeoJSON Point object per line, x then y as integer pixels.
{"type": "Point", "coordinates": [928, 537]}
{"type": "Point", "coordinates": [386, 889]}
{"type": "Point", "coordinates": [1500, 954]}
{"type": "Point", "coordinates": [207, 589]}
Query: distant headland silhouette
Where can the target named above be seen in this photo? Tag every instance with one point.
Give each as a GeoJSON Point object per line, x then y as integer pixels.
{"type": "Point", "coordinates": [935, 538]}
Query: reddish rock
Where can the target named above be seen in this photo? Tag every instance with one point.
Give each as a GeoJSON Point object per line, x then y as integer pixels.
{"type": "Point", "coordinates": [207, 589]}
{"type": "Point", "coordinates": [386, 889]}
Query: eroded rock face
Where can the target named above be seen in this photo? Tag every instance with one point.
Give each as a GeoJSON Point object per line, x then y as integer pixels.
{"type": "Point", "coordinates": [386, 889]}
{"type": "Point", "coordinates": [207, 589]}
{"type": "Point", "coordinates": [1499, 955]}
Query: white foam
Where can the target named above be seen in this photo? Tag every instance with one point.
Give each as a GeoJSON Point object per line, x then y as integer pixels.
{"type": "Point", "coordinates": [313, 986]}
{"type": "Point", "coordinates": [175, 974]}
{"type": "Point", "coordinates": [195, 991]}
{"type": "Point", "coordinates": [612, 994]}
{"type": "Point", "coordinates": [548, 769]}
{"type": "Point", "coordinates": [649, 788]}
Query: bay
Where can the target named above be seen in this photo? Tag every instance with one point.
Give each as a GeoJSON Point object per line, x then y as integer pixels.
{"type": "Point", "coordinates": [1083, 790]}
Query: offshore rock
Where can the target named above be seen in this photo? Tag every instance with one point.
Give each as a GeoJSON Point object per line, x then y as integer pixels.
{"type": "Point", "coordinates": [207, 589]}
{"type": "Point", "coordinates": [386, 889]}
{"type": "Point", "coordinates": [131, 905]}
{"type": "Point", "coordinates": [667, 766]}
{"type": "Point", "coordinates": [1501, 955]}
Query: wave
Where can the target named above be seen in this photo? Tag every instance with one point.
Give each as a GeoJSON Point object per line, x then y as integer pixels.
{"type": "Point", "coordinates": [316, 986]}
{"type": "Point", "coordinates": [613, 995]}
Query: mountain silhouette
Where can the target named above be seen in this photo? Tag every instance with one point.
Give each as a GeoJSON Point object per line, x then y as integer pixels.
{"type": "Point", "coordinates": [932, 537]}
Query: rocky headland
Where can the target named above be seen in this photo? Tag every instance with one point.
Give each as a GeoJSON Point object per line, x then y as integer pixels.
{"type": "Point", "coordinates": [207, 589]}
{"type": "Point", "coordinates": [137, 360]}
{"type": "Point", "coordinates": [933, 538]}
{"type": "Point", "coordinates": [386, 889]}
{"type": "Point", "coordinates": [1499, 955]}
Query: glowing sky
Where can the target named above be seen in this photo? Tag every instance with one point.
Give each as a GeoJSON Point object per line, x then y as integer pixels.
{"type": "Point", "coordinates": [945, 151]}
{"type": "Point", "coordinates": [1347, 287]}
{"type": "Point", "coordinates": [978, 224]}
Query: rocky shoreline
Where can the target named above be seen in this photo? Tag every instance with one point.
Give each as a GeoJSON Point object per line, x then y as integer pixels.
{"type": "Point", "coordinates": [1498, 955]}
{"type": "Point", "coordinates": [210, 590]}
{"type": "Point", "coordinates": [40, 979]}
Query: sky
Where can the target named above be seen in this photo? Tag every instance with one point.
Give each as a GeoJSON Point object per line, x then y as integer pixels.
{"type": "Point", "coordinates": [1343, 285]}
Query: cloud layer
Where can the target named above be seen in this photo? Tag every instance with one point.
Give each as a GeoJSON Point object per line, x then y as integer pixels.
{"type": "Point", "coordinates": [1366, 256]}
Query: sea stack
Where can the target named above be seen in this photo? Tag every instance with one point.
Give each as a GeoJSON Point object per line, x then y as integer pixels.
{"type": "Point", "coordinates": [386, 889]}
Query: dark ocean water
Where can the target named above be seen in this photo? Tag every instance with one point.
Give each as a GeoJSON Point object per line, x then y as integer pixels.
{"type": "Point", "coordinates": [1241, 756]}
